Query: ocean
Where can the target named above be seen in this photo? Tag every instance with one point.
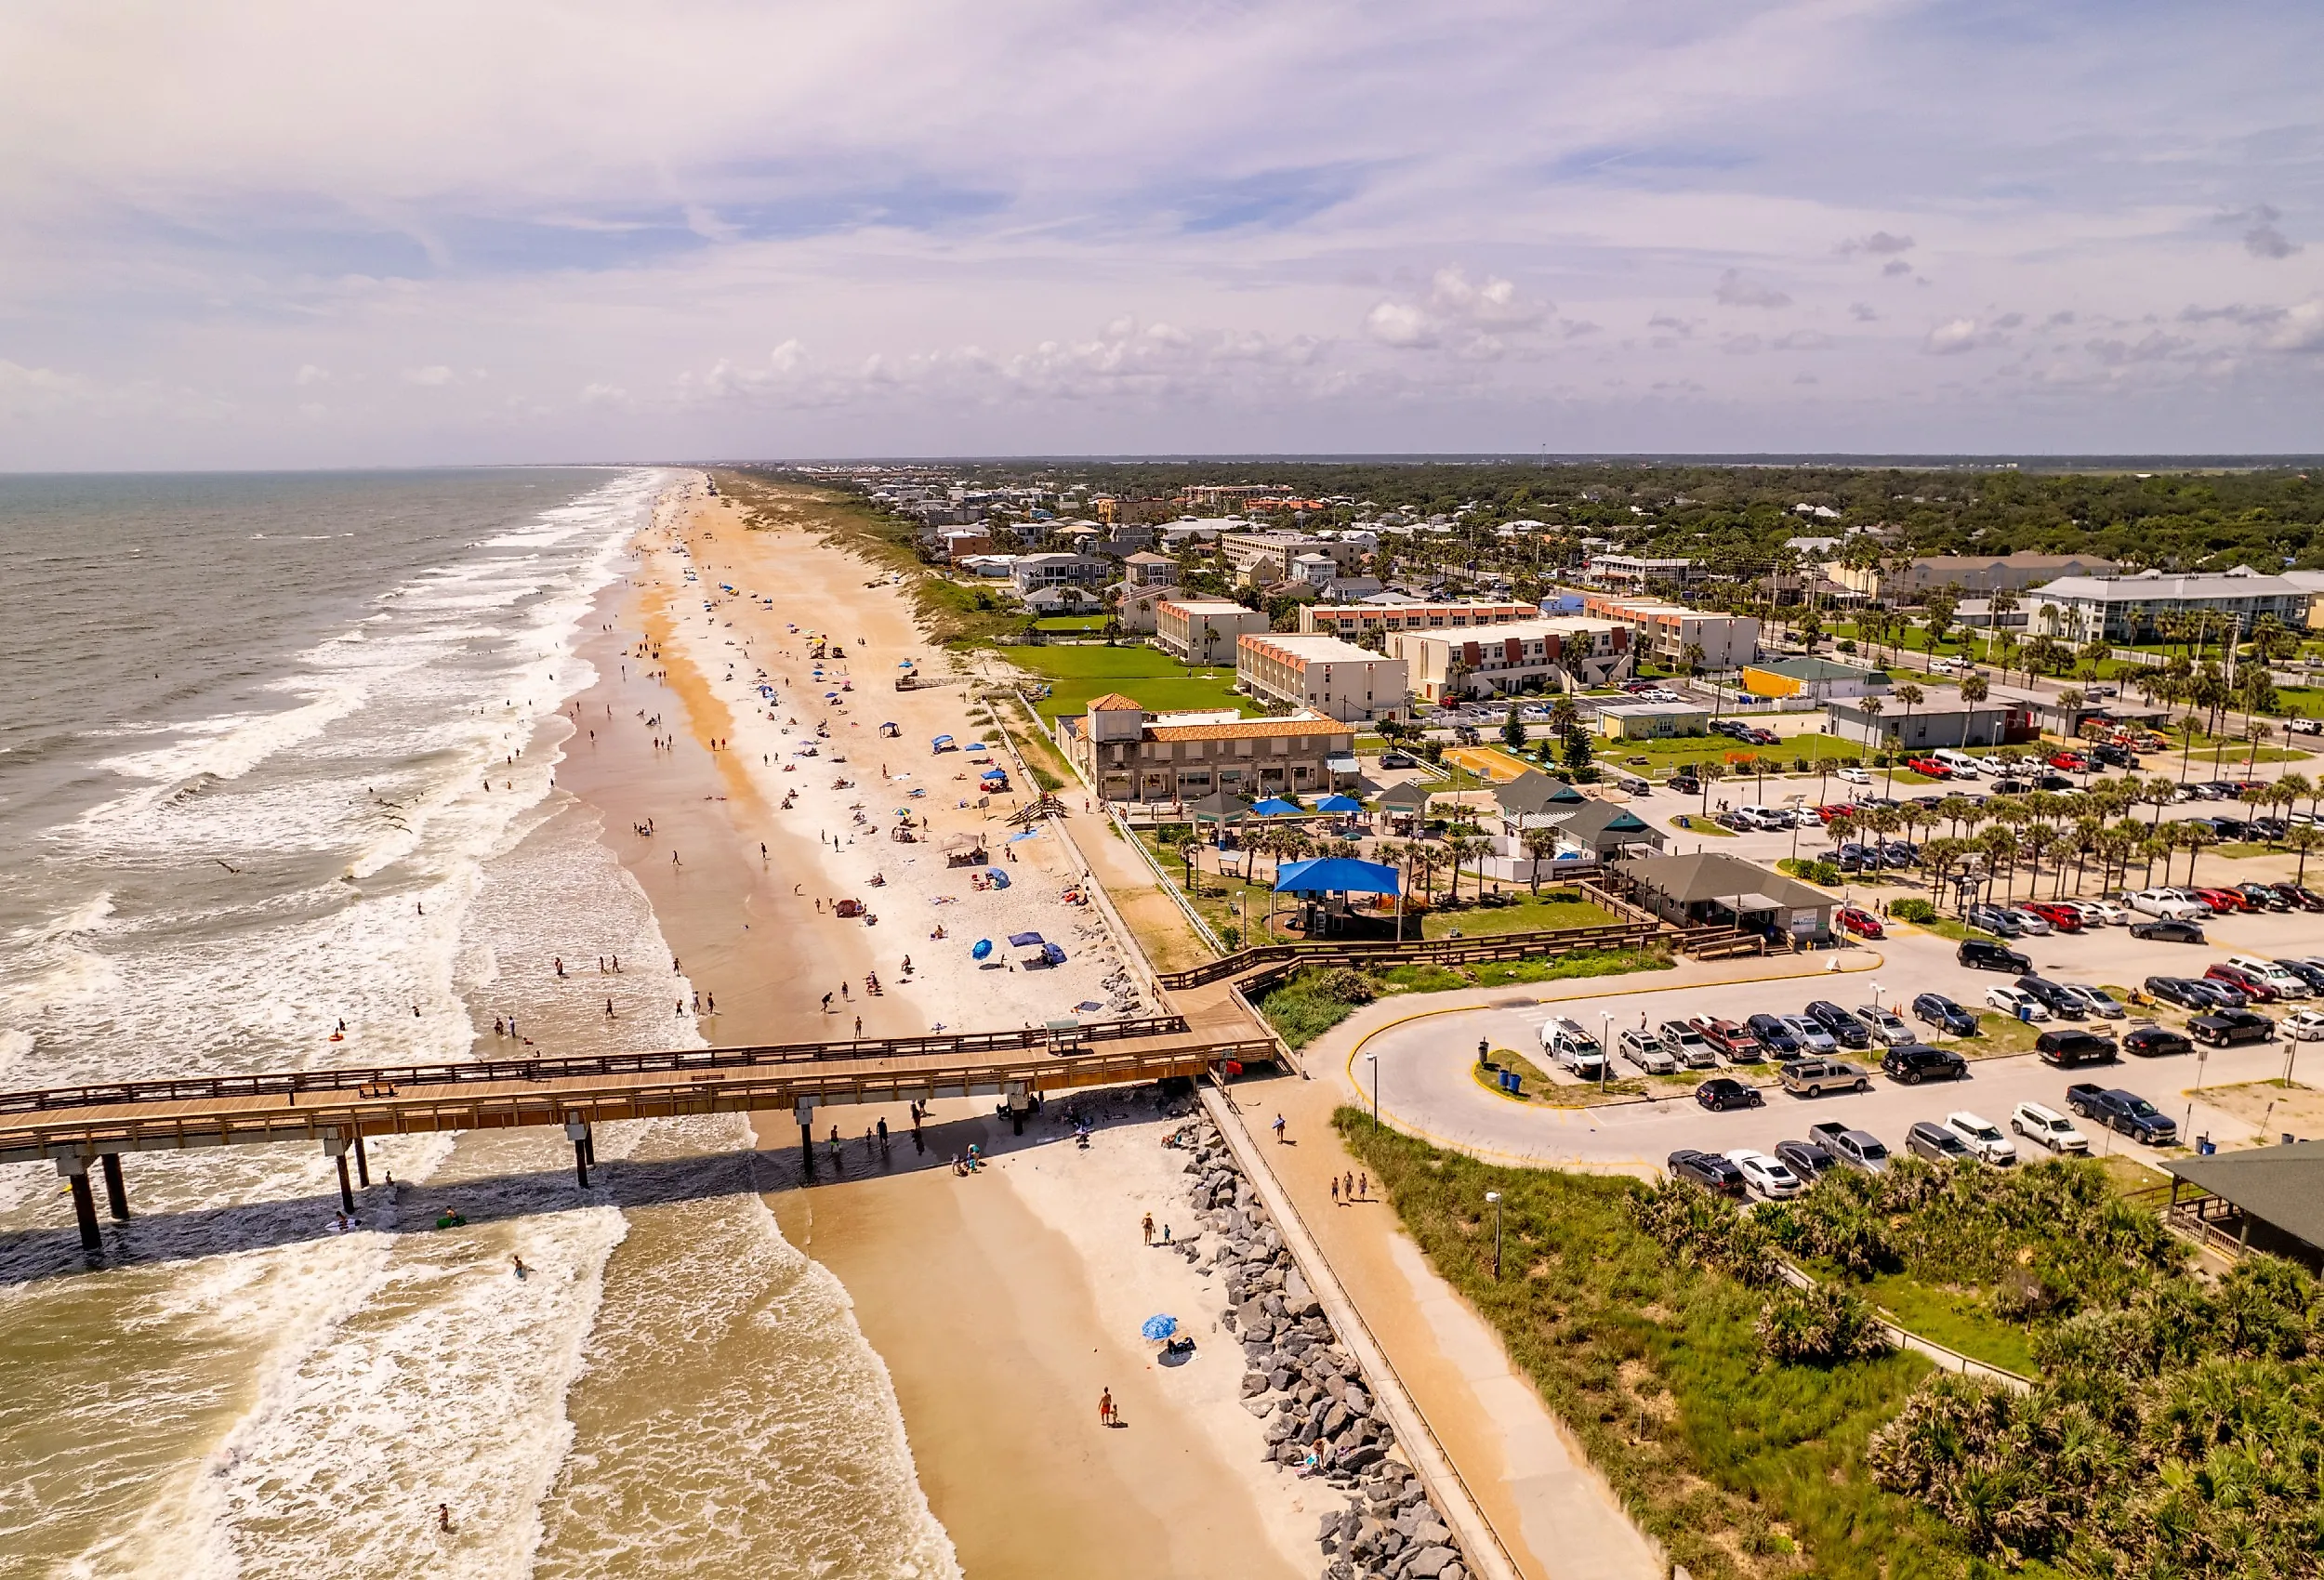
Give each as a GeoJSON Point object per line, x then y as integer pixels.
{"type": "Point", "coordinates": [276, 767]}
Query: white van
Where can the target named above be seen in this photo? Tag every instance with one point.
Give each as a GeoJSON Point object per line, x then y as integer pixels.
{"type": "Point", "coordinates": [1569, 1046]}
{"type": "Point", "coordinates": [1959, 762]}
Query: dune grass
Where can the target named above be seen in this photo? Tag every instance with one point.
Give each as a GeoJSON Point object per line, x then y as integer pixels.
{"type": "Point", "coordinates": [1740, 1466]}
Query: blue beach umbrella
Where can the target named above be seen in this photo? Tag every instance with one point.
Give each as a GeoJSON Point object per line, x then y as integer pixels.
{"type": "Point", "coordinates": [1158, 1328]}
{"type": "Point", "coordinates": [980, 949]}
{"type": "Point", "coordinates": [1276, 806]}
{"type": "Point", "coordinates": [1339, 803]}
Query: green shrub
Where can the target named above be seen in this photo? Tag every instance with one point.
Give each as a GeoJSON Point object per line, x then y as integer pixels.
{"type": "Point", "coordinates": [1912, 910]}
{"type": "Point", "coordinates": [1824, 1324]}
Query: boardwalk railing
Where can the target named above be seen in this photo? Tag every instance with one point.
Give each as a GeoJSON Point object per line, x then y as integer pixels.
{"type": "Point", "coordinates": [569, 1067]}
{"type": "Point", "coordinates": [1416, 952]}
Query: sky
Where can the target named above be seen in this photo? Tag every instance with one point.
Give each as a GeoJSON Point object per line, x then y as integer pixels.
{"type": "Point", "coordinates": [309, 234]}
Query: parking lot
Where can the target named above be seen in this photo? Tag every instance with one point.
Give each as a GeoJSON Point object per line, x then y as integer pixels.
{"type": "Point", "coordinates": [1424, 1066]}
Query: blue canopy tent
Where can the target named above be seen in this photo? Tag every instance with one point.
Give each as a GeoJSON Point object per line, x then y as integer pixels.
{"type": "Point", "coordinates": [1319, 877]}
{"type": "Point", "coordinates": [1276, 806]}
{"type": "Point", "coordinates": [1343, 805]}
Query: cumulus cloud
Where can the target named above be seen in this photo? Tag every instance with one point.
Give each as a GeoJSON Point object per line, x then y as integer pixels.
{"type": "Point", "coordinates": [1801, 341]}
{"type": "Point", "coordinates": [1862, 312]}
{"type": "Point", "coordinates": [2233, 312]}
{"type": "Point", "coordinates": [1878, 243]}
{"type": "Point", "coordinates": [1733, 291]}
{"type": "Point", "coordinates": [1470, 317]}
{"type": "Point", "coordinates": [309, 374]}
{"type": "Point", "coordinates": [1668, 324]}
{"type": "Point", "coordinates": [430, 377]}
{"type": "Point", "coordinates": [2154, 347]}
{"type": "Point", "coordinates": [1897, 266]}
{"type": "Point", "coordinates": [1400, 325]}
{"type": "Point", "coordinates": [2300, 330]}
{"type": "Point", "coordinates": [1953, 337]}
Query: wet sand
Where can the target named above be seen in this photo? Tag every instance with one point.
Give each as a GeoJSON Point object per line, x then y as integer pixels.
{"type": "Point", "coordinates": [992, 1299]}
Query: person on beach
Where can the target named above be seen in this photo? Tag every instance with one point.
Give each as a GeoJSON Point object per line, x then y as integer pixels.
{"type": "Point", "coordinates": [1148, 1226]}
{"type": "Point", "coordinates": [1105, 1408]}
{"type": "Point", "coordinates": [826, 1004]}
{"type": "Point", "coordinates": [1363, 1186]}
{"type": "Point", "coordinates": [1278, 1129]}
{"type": "Point", "coordinates": [1335, 1190]}
{"type": "Point", "coordinates": [443, 1517]}
{"type": "Point", "coordinates": [609, 1010]}
{"type": "Point", "coordinates": [518, 1263]}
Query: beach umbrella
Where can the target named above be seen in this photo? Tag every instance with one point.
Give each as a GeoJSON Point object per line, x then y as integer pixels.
{"type": "Point", "coordinates": [1276, 806]}
{"type": "Point", "coordinates": [1000, 879]}
{"type": "Point", "coordinates": [980, 949]}
{"type": "Point", "coordinates": [1088, 1007]}
{"type": "Point", "coordinates": [1156, 1329]}
{"type": "Point", "coordinates": [1339, 803]}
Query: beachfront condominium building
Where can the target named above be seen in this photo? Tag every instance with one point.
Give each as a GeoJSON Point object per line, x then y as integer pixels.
{"type": "Point", "coordinates": [1259, 559]}
{"type": "Point", "coordinates": [1353, 622]}
{"type": "Point", "coordinates": [1320, 673]}
{"type": "Point", "coordinates": [1981, 574]}
{"type": "Point", "coordinates": [1662, 632]}
{"type": "Point", "coordinates": [1631, 572]}
{"type": "Point", "coordinates": [1201, 630]}
{"type": "Point", "coordinates": [1558, 654]}
{"type": "Point", "coordinates": [1129, 754]}
{"type": "Point", "coordinates": [2135, 608]}
{"type": "Point", "coordinates": [1033, 572]}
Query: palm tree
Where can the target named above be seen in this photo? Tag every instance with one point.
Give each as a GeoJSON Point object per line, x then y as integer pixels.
{"type": "Point", "coordinates": [2000, 845]}
{"type": "Point", "coordinates": [2191, 837]}
{"type": "Point", "coordinates": [1710, 774]}
{"type": "Point", "coordinates": [2158, 793]}
{"type": "Point", "coordinates": [2033, 842]}
{"type": "Point", "coordinates": [1188, 849]}
{"type": "Point", "coordinates": [1540, 843]}
{"type": "Point", "coordinates": [2256, 730]}
{"type": "Point", "coordinates": [2289, 789]}
{"type": "Point", "coordinates": [2303, 839]}
{"type": "Point", "coordinates": [1873, 707]}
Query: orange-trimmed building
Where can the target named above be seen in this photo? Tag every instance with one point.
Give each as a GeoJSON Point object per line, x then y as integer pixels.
{"type": "Point", "coordinates": [1128, 754]}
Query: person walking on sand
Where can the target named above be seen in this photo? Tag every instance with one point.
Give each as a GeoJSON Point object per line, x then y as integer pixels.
{"type": "Point", "coordinates": [1149, 1229]}
{"type": "Point", "coordinates": [443, 1517]}
{"type": "Point", "coordinates": [1278, 1129]}
{"type": "Point", "coordinates": [1363, 1186]}
{"type": "Point", "coordinates": [1335, 1190]}
{"type": "Point", "coordinates": [1105, 1407]}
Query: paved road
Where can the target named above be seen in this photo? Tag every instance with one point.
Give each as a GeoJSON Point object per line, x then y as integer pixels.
{"type": "Point", "coordinates": [1425, 1084]}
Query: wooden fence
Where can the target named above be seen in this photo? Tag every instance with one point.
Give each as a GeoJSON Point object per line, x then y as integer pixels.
{"type": "Point", "coordinates": [1291, 957]}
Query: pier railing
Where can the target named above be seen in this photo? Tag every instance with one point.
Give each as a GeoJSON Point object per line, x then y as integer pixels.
{"type": "Point", "coordinates": [559, 1067]}
{"type": "Point", "coordinates": [1416, 952]}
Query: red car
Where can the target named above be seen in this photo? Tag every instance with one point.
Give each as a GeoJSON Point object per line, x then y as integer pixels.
{"type": "Point", "coordinates": [2065, 918]}
{"type": "Point", "coordinates": [2222, 900]}
{"type": "Point", "coordinates": [1929, 767]}
{"type": "Point", "coordinates": [2255, 988]}
{"type": "Point", "coordinates": [2070, 762]}
{"type": "Point", "coordinates": [1827, 813]}
{"type": "Point", "coordinates": [1736, 1045]}
{"type": "Point", "coordinates": [1861, 923]}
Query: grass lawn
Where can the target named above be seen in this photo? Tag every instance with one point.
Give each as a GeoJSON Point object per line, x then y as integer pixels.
{"type": "Point", "coordinates": [1071, 622]}
{"type": "Point", "coordinates": [1552, 908]}
{"type": "Point", "coordinates": [1310, 1003]}
{"type": "Point", "coordinates": [1690, 751]}
{"type": "Point", "coordinates": [1697, 824]}
{"type": "Point", "coordinates": [1739, 1466]}
{"type": "Point", "coordinates": [1148, 675]}
{"type": "Point", "coordinates": [1955, 1318]}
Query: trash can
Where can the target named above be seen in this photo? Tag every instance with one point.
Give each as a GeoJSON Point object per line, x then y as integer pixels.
{"type": "Point", "coordinates": [2205, 1146]}
{"type": "Point", "coordinates": [1509, 1081]}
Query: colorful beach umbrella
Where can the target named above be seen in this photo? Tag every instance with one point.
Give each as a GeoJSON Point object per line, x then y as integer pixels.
{"type": "Point", "coordinates": [1156, 1329]}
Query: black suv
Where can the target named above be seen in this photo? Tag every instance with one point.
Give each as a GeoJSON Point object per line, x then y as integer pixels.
{"type": "Point", "coordinates": [1846, 1029]}
{"type": "Point", "coordinates": [1773, 1036]}
{"type": "Point", "coordinates": [2071, 1046]}
{"type": "Point", "coordinates": [1981, 954]}
{"type": "Point", "coordinates": [1943, 1013]}
{"type": "Point", "coordinates": [1707, 1169]}
{"type": "Point", "coordinates": [1723, 1092]}
{"type": "Point", "coordinates": [1916, 1062]}
{"type": "Point", "coordinates": [2055, 999]}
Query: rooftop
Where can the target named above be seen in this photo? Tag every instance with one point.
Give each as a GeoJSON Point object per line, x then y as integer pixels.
{"type": "Point", "coordinates": [1312, 648]}
{"type": "Point", "coordinates": [1710, 875]}
{"type": "Point", "coordinates": [2281, 1185]}
{"type": "Point", "coordinates": [1206, 606]}
{"type": "Point", "coordinates": [2241, 582]}
{"type": "Point", "coordinates": [1806, 668]}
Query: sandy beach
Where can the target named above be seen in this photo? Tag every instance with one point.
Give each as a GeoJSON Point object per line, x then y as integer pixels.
{"type": "Point", "coordinates": [1003, 1302]}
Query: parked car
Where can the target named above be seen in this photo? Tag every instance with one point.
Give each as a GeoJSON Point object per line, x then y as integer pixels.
{"type": "Point", "coordinates": [1859, 1150]}
{"type": "Point", "coordinates": [2305, 1025]}
{"type": "Point", "coordinates": [2180, 990]}
{"type": "Point", "coordinates": [1769, 1178]}
{"type": "Point", "coordinates": [1721, 1092]}
{"type": "Point", "coordinates": [1845, 1029]}
{"type": "Point", "coordinates": [2028, 922]}
{"type": "Point", "coordinates": [1981, 956]}
{"type": "Point", "coordinates": [1814, 1042]}
{"type": "Point", "coordinates": [2070, 1046]}
{"type": "Point", "coordinates": [2307, 972]}
{"type": "Point", "coordinates": [1775, 1036]}
{"type": "Point", "coordinates": [2016, 1003]}
{"type": "Point", "coordinates": [1917, 1062]}
{"type": "Point", "coordinates": [1573, 1049]}
{"type": "Point", "coordinates": [2166, 904]}
{"type": "Point", "coordinates": [1814, 1077]}
{"type": "Point", "coordinates": [1935, 1009]}
{"type": "Point", "coordinates": [1396, 759]}
{"type": "Point", "coordinates": [1886, 1028]}
{"type": "Point", "coordinates": [1804, 1159]}
{"type": "Point", "coordinates": [1682, 1039]}
{"type": "Point", "coordinates": [2301, 896]}
{"type": "Point", "coordinates": [1995, 919]}
{"type": "Point", "coordinates": [2125, 1111]}
{"type": "Point", "coordinates": [1928, 768]}
{"type": "Point", "coordinates": [1647, 1052]}
{"type": "Point", "coordinates": [2255, 988]}
{"type": "Point", "coordinates": [2287, 982]}
{"type": "Point", "coordinates": [1850, 774]}
{"type": "Point", "coordinates": [1707, 1169]}
{"type": "Point", "coordinates": [1936, 1142]}
{"type": "Point", "coordinates": [1982, 1137]}
{"type": "Point", "coordinates": [2264, 895]}
{"type": "Point", "coordinates": [1734, 1043]}
{"type": "Point", "coordinates": [2154, 1042]}
{"type": "Point", "coordinates": [2061, 917]}
{"type": "Point", "coordinates": [1859, 921]}
{"type": "Point", "coordinates": [2096, 1000]}
{"type": "Point", "coordinates": [2167, 931]}
{"type": "Point", "coordinates": [2101, 913]}
{"type": "Point", "coordinates": [2039, 1123]}
{"type": "Point", "coordinates": [2224, 1028]}
{"type": "Point", "coordinates": [2226, 902]}
{"type": "Point", "coordinates": [2057, 1000]}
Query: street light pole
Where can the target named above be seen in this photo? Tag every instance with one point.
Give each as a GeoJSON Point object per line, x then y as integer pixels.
{"type": "Point", "coordinates": [1495, 1198]}
{"type": "Point", "coordinates": [1373, 1060]}
{"type": "Point", "coordinates": [1606, 1045]}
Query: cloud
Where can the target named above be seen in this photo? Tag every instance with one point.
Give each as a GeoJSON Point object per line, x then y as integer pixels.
{"type": "Point", "coordinates": [430, 377]}
{"type": "Point", "coordinates": [1400, 325]}
{"type": "Point", "coordinates": [2262, 239]}
{"type": "Point", "coordinates": [1951, 338]}
{"type": "Point", "coordinates": [2234, 312]}
{"type": "Point", "coordinates": [309, 374]}
{"type": "Point", "coordinates": [1878, 243]}
{"type": "Point", "coordinates": [2156, 346]}
{"type": "Point", "coordinates": [1733, 291]}
{"type": "Point", "coordinates": [2009, 321]}
{"type": "Point", "coordinates": [1897, 266]}
{"type": "Point", "coordinates": [2057, 320]}
{"type": "Point", "coordinates": [1801, 341]}
{"type": "Point", "coordinates": [1681, 327]}
{"type": "Point", "coordinates": [2301, 330]}
{"type": "Point", "coordinates": [1741, 344]}
{"type": "Point", "coordinates": [1862, 312]}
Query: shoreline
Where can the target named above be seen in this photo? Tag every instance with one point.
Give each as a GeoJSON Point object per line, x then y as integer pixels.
{"type": "Point", "coordinates": [999, 1304]}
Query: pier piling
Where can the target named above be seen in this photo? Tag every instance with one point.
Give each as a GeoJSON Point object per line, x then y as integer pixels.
{"type": "Point", "coordinates": [583, 1150]}
{"type": "Point", "coordinates": [117, 1193]}
{"type": "Point", "coordinates": [362, 1163]}
{"type": "Point", "coordinates": [76, 1170]}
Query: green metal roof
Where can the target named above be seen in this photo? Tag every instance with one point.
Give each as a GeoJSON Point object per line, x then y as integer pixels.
{"type": "Point", "coordinates": [2280, 1185]}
